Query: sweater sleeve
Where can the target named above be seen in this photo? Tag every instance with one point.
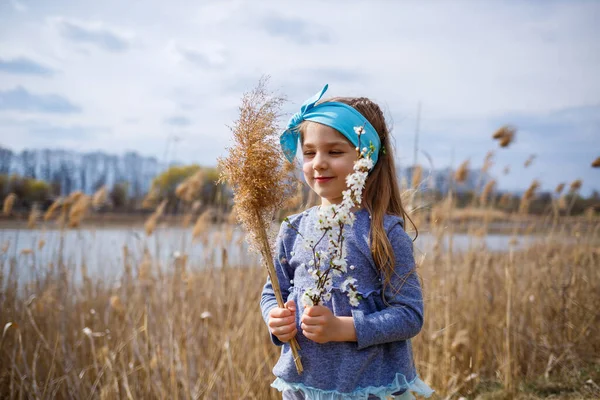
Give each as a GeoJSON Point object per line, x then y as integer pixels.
{"type": "Point", "coordinates": [284, 275]}
{"type": "Point", "coordinates": [403, 316]}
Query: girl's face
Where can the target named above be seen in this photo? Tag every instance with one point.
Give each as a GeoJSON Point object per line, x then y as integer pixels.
{"type": "Point", "coordinates": [328, 158]}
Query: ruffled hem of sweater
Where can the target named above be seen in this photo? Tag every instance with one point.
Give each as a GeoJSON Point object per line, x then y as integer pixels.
{"type": "Point", "coordinates": [400, 384]}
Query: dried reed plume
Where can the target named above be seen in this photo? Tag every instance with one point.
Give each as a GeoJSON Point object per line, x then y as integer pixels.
{"type": "Point", "coordinates": [559, 188]}
{"type": "Point", "coordinates": [9, 202]}
{"type": "Point", "coordinates": [488, 162]}
{"type": "Point", "coordinates": [189, 189]}
{"type": "Point", "coordinates": [596, 163]}
{"type": "Point", "coordinates": [151, 198]}
{"type": "Point", "coordinates": [528, 196]}
{"type": "Point", "coordinates": [256, 172]}
{"type": "Point", "coordinates": [73, 198]}
{"type": "Point", "coordinates": [34, 215]}
{"type": "Point", "coordinates": [417, 175]}
{"type": "Point", "coordinates": [202, 223]}
{"type": "Point", "coordinates": [505, 135]}
{"type": "Point", "coordinates": [78, 210]}
{"type": "Point", "coordinates": [487, 190]}
{"type": "Point", "coordinates": [99, 198]}
{"type": "Point", "coordinates": [151, 222]}
{"type": "Point", "coordinates": [576, 185]}
{"type": "Point", "coordinates": [53, 207]}
{"type": "Point", "coordinates": [505, 200]}
{"type": "Point", "coordinates": [529, 161]}
{"type": "Point", "coordinates": [462, 172]}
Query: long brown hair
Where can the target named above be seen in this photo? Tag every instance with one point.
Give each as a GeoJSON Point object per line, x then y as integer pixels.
{"type": "Point", "coordinates": [381, 194]}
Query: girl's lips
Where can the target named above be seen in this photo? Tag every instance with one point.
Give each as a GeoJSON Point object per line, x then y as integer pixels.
{"type": "Point", "coordinates": [322, 180]}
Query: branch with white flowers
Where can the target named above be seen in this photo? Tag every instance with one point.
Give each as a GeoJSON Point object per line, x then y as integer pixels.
{"type": "Point", "coordinates": [331, 223]}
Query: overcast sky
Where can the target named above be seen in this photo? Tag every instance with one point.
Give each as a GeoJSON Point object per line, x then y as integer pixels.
{"type": "Point", "coordinates": [117, 76]}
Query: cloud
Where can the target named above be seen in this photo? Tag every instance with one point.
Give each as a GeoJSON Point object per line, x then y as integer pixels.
{"type": "Point", "coordinates": [72, 133]}
{"type": "Point", "coordinates": [298, 30]}
{"type": "Point", "coordinates": [178, 121]}
{"type": "Point", "coordinates": [19, 6]}
{"type": "Point", "coordinates": [327, 74]}
{"type": "Point", "coordinates": [95, 34]}
{"type": "Point", "coordinates": [207, 55]}
{"type": "Point", "coordinates": [24, 66]}
{"type": "Point", "coordinates": [20, 99]}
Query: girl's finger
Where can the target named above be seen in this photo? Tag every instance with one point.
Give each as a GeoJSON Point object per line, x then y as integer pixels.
{"type": "Point", "coordinates": [280, 312]}
{"type": "Point", "coordinates": [287, 338]}
{"type": "Point", "coordinates": [311, 328]}
{"type": "Point", "coordinates": [291, 305]}
{"type": "Point", "coordinates": [277, 322]}
{"type": "Point", "coordinates": [311, 320]}
{"type": "Point", "coordinates": [283, 330]}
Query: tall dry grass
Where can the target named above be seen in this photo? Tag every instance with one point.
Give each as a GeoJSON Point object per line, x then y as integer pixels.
{"type": "Point", "coordinates": [528, 314]}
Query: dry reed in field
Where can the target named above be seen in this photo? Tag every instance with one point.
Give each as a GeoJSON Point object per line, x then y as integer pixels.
{"type": "Point", "coordinates": [576, 185]}
{"type": "Point", "coordinates": [487, 190]}
{"type": "Point", "coordinates": [151, 222]}
{"type": "Point", "coordinates": [259, 176]}
{"type": "Point", "coordinates": [9, 202]}
{"type": "Point", "coordinates": [505, 135]}
{"type": "Point", "coordinates": [462, 172]}
{"type": "Point", "coordinates": [488, 162]}
{"type": "Point", "coordinates": [53, 208]}
{"type": "Point", "coordinates": [99, 198]}
{"type": "Point", "coordinates": [529, 161]}
{"type": "Point", "coordinates": [34, 216]}
{"type": "Point", "coordinates": [189, 189]}
{"type": "Point", "coordinates": [78, 210]}
{"type": "Point", "coordinates": [528, 196]}
{"type": "Point", "coordinates": [417, 175]}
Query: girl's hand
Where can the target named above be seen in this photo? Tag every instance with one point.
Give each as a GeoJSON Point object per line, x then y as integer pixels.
{"type": "Point", "coordinates": [320, 325]}
{"type": "Point", "coordinates": [282, 322]}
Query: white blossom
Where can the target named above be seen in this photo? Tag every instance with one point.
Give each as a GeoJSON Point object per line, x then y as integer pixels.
{"type": "Point", "coordinates": [307, 298]}
{"type": "Point", "coordinates": [349, 281]}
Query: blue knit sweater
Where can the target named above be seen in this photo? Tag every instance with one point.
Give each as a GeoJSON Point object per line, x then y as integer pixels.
{"type": "Point", "coordinates": [381, 362]}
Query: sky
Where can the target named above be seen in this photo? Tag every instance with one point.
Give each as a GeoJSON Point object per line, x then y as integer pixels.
{"type": "Point", "coordinates": [165, 79]}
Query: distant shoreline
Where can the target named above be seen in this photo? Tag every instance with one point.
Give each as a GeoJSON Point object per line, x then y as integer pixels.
{"type": "Point", "coordinates": [462, 224]}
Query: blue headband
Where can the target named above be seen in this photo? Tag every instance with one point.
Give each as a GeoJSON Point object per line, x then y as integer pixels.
{"type": "Point", "coordinates": [339, 116]}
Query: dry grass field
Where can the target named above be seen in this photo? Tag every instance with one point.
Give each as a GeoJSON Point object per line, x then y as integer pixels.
{"type": "Point", "coordinates": [521, 323]}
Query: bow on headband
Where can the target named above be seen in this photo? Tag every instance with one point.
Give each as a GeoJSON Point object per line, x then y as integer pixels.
{"type": "Point", "coordinates": [339, 116]}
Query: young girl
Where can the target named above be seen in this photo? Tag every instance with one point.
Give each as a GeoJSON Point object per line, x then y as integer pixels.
{"type": "Point", "coordinates": [348, 351]}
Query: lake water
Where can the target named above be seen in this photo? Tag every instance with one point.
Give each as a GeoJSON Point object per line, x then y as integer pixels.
{"type": "Point", "coordinates": [102, 248]}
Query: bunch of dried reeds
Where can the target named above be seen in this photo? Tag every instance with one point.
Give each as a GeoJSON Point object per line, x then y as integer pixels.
{"type": "Point", "coordinates": [259, 176]}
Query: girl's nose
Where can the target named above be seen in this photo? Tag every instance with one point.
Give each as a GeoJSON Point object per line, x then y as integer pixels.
{"type": "Point", "coordinates": [319, 162]}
